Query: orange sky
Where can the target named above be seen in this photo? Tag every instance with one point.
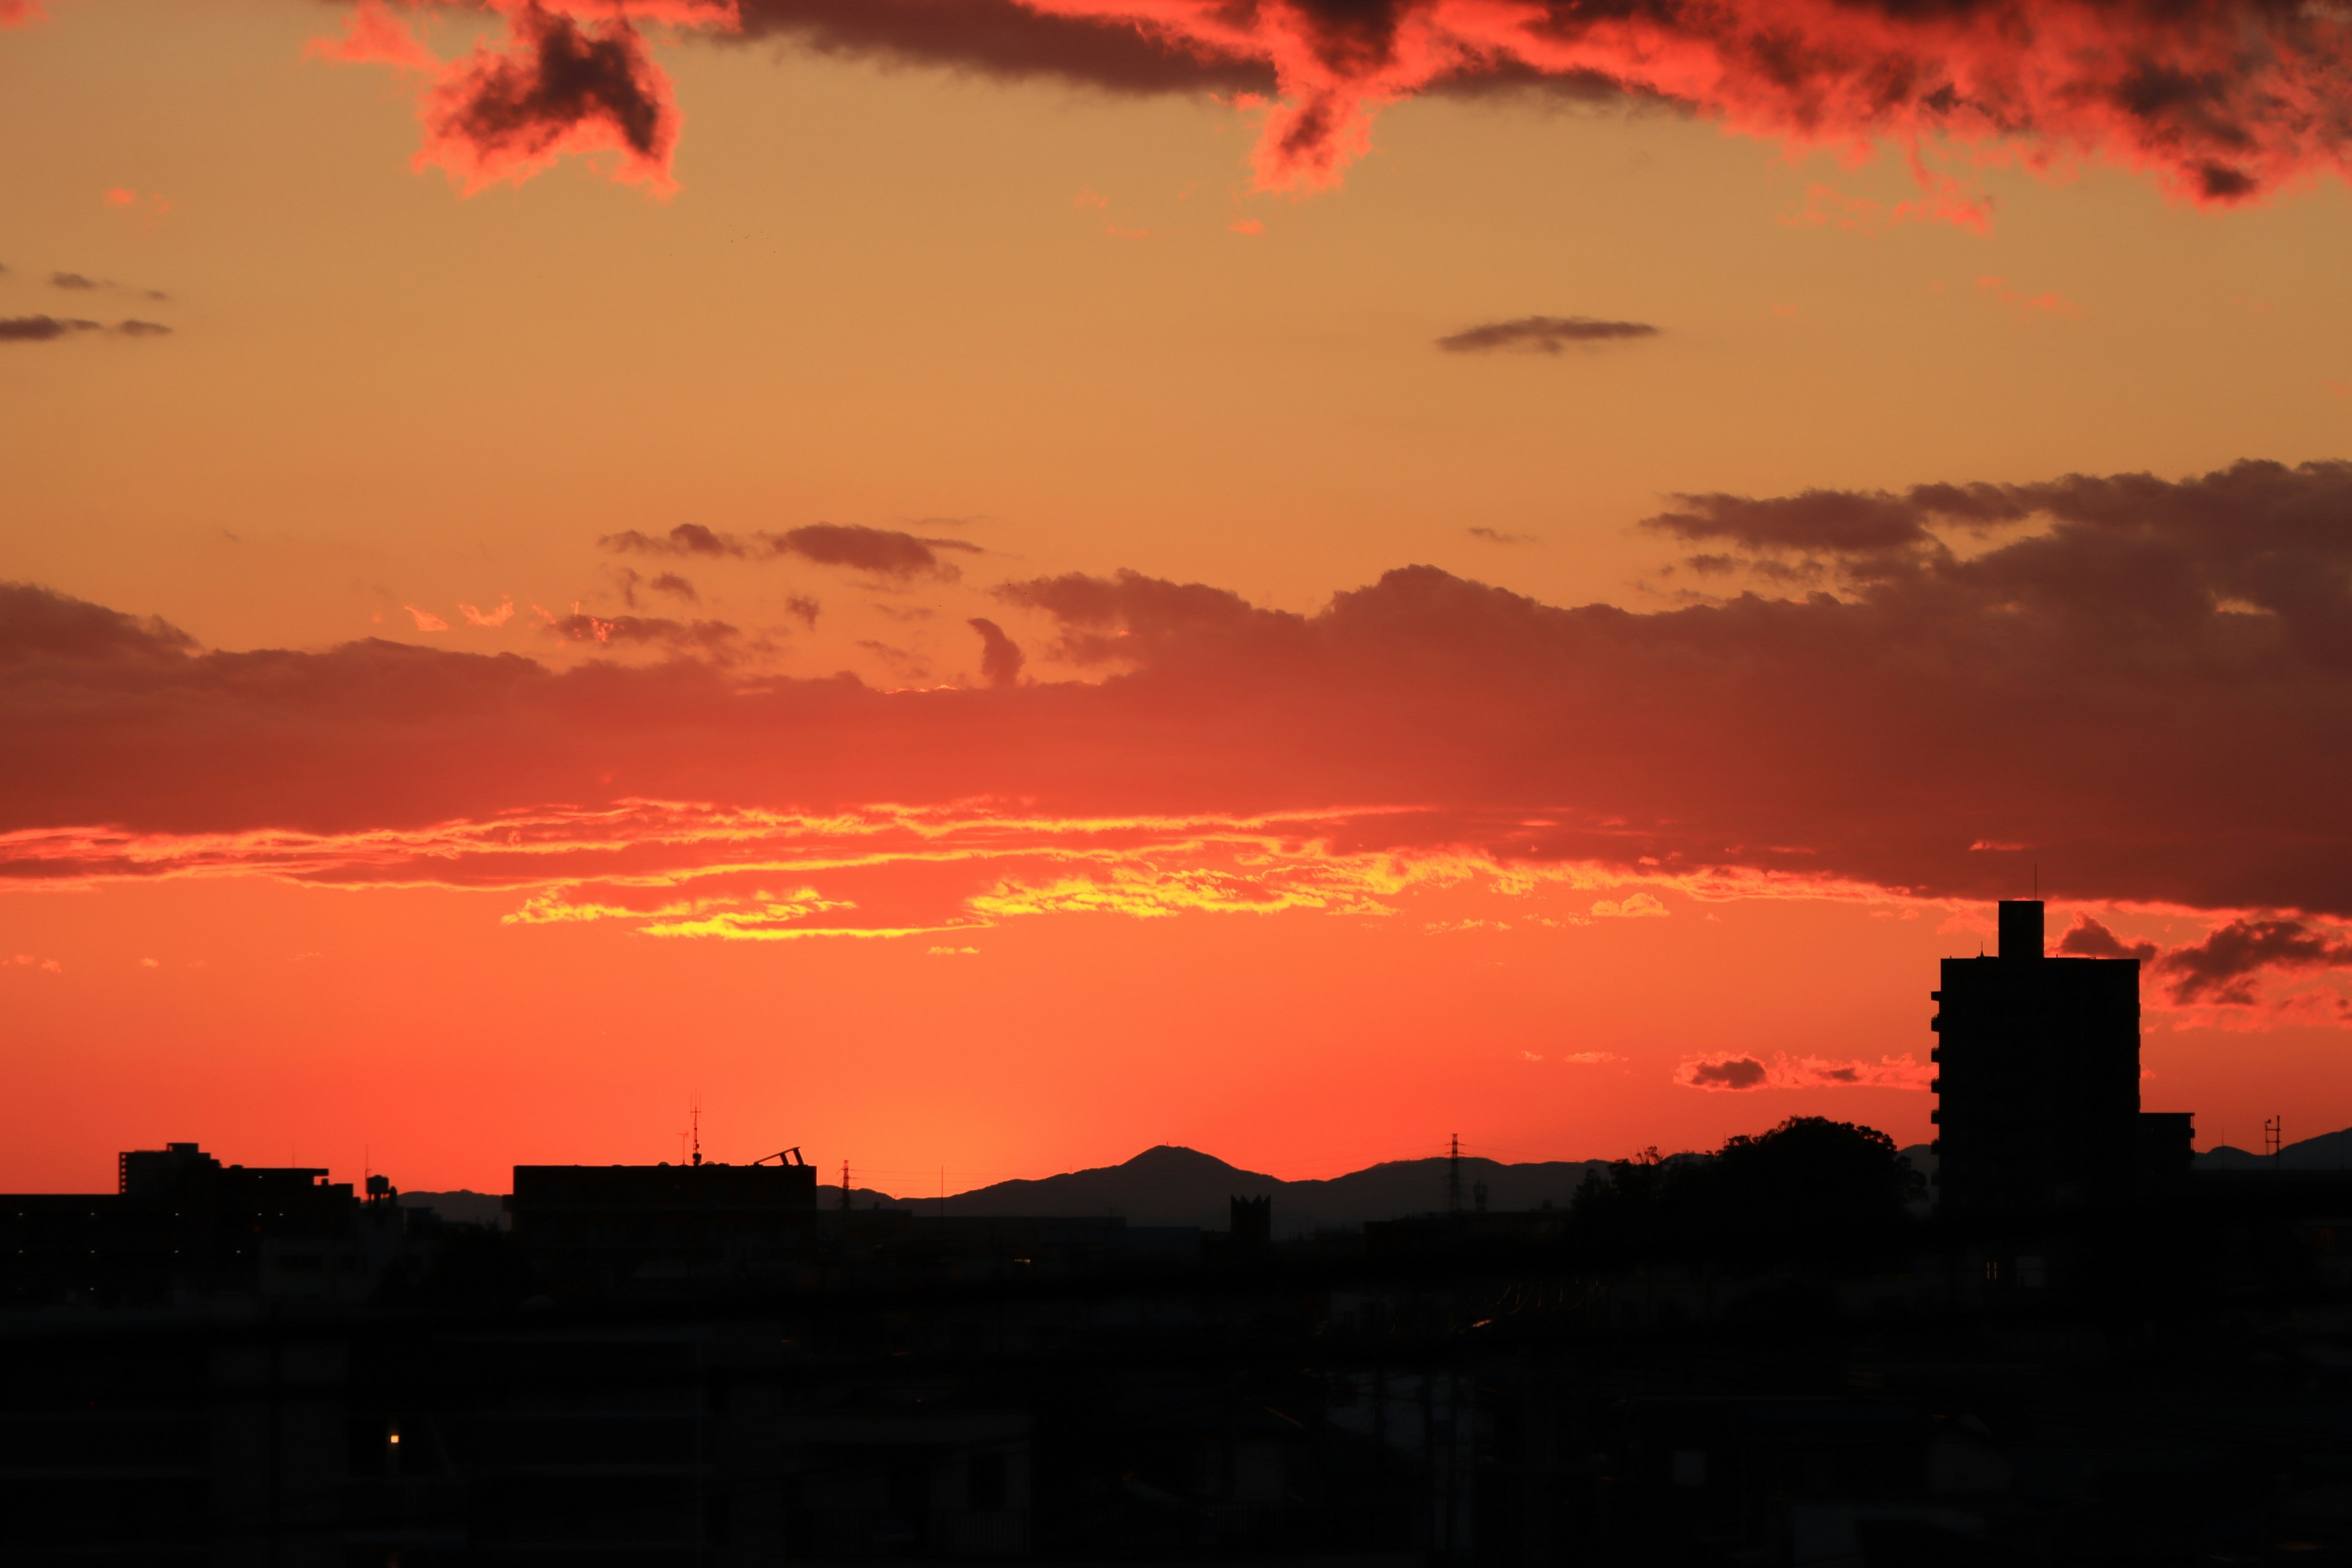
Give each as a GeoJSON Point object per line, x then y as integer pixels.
{"type": "Point", "coordinates": [1305, 883]}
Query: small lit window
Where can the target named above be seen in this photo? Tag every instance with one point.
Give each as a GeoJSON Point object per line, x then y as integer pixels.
{"type": "Point", "coordinates": [1992, 1270]}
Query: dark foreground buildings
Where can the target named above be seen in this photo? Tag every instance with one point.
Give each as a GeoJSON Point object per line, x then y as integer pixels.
{"type": "Point", "coordinates": [2075, 1360]}
{"type": "Point", "coordinates": [2038, 1081]}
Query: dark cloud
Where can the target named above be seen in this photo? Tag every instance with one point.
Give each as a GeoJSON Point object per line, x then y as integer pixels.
{"type": "Point", "coordinates": [560, 86]}
{"type": "Point", "coordinates": [1838, 522]}
{"type": "Point", "coordinates": [37, 625]}
{"type": "Point", "coordinates": [685, 539]}
{"type": "Point", "coordinates": [1497, 536]}
{"type": "Point", "coordinates": [48, 329]}
{"type": "Point", "coordinates": [2221, 102]}
{"type": "Point", "coordinates": [884, 553]}
{"type": "Point", "coordinates": [2088, 938]}
{"type": "Point", "coordinates": [1737, 1072]}
{"type": "Point", "coordinates": [712, 637]}
{"type": "Point", "coordinates": [2153, 689]}
{"type": "Point", "coordinates": [802, 609]}
{"type": "Point", "coordinates": [73, 280]}
{"type": "Point", "coordinates": [1541, 334]}
{"type": "Point", "coordinates": [41, 329]}
{"type": "Point", "coordinates": [2224, 967]}
{"type": "Point", "coordinates": [676, 586]}
{"type": "Point", "coordinates": [999, 656]}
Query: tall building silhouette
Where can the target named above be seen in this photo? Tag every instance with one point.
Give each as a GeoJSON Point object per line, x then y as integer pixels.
{"type": "Point", "coordinates": [2038, 1079]}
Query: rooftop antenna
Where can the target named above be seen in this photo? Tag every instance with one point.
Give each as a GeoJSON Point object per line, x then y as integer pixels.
{"type": "Point", "coordinates": [1454, 1177]}
{"type": "Point", "coordinates": [696, 1114]}
{"type": "Point", "coordinates": [845, 1186]}
{"type": "Point", "coordinates": [2273, 1133]}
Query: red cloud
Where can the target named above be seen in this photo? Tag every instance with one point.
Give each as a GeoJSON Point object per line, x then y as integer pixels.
{"type": "Point", "coordinates": [570, 77]}
{"type": "Point", "coordinates": [1800, 1072]}
{"type": "Point", "coordinates": [2221, 99]}
{"type": "Point", "coordinates": [21, 13]}
{"type": "Point", "coordinates": [2224, 967]}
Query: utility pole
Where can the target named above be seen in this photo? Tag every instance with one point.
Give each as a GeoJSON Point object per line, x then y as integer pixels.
{"type": "Point", "coordinates": [845, 1186]}
{"type": "Point", "coordinates": [2274, 1135]}
{"type": "Point", "coordinates": [1454, 1177]}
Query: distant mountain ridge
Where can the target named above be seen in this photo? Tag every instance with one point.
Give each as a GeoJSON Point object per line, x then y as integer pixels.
{"type": "Point", "coordinates": [2328, 1152]}
{"type": "Point", "coordinates": [1174, 1185]}
{"type": "Point", "coordinates": [1170, 1184]}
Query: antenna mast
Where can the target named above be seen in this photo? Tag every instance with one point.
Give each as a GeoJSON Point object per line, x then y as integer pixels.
{"type": "Point", "coordinates": [697, 1128]}
{"type": "Point", "coordinates": [1454, 1177]}
{"type": "Point", "coordinates": [845, 1186]}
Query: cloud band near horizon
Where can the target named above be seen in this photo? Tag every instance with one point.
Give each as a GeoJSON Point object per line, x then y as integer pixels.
{"type": "Point", "coordinates": [2140, 684]}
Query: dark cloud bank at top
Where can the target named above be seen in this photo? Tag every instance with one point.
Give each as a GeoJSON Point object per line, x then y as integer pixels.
{"type": "Point", "coordinates": [2149, 693]}
{"type": "Point", "coordinates": [2220, 100]}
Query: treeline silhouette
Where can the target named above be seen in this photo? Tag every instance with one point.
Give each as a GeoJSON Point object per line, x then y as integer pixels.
{"type": "Point", "coordinates": [1809, 1189]}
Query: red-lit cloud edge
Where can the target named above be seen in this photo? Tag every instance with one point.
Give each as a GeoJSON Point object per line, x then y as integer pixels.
{"type": "Point", "coordinates": [2142, 688]}
{"type": "Point", "coordinates": [2219, 100]}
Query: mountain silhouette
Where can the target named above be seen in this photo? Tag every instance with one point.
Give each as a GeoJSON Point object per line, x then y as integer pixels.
{"type": "Point", "coordinates": [2328, 1152]}
{"type": "Point", "coordinates": [1170, 1184]}
{"type": "Point", "coordinates": [1174, 1185]}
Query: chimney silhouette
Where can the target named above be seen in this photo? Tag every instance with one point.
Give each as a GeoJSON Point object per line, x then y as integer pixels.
{"type": "Point", "coordinates": [2020, 928]}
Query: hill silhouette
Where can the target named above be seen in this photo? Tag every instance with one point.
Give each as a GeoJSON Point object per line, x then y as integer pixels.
{"type": "Point", "coordinates": [2328, 1152]}
{"type": "Point", "coordinates": [1174, 1185]}
{"type": "Point", "coordinates": [1170, 1184]}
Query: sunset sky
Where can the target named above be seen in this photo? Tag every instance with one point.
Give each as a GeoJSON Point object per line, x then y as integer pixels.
{"type": "Point", "coordinates": [976, 586]}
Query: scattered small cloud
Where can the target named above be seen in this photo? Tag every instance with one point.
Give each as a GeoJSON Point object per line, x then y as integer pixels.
{"type": "Point", "coordinates": [1497, 536]}
{"type": "Point", "coordinates": [803, 610]}
{"type": "Point", "coordinates": [714, 637]}
{"type": "Point", "coordinates": [1000, 657]}
{"type": "Point", "coordinates": [884, 553]}
{"type": "Point", "coordinates": [73, 280]}
{"type": "Point", "coordinates": [2088, 938]}
{"type": "Point", "coordinates": [149, 963]}
{"type": "Point", "coordinates": [1746, 1072]}
{"type": "Point", "coordinates": [48, 328]}
{"type": "Point", "coordinates": [1634, 906]}
{"type": "Point", "coordinates": [426, 621]}
{"type": "Point", "coordinates": [1734, 1072]}
{"type": "Point", "coordinates": [685, 539]}
{"type": "Point", "coordinates": [1246, 226]}
{"type": "Point", "coordinates": [2224, 967]}
{"type": "Point", "coordinates": [34, 961]}
{"type": "Point", "coordinates": [1591, 1058]}
{"type": "Point", "coordinates": [953, 951]}
{"type": "Point", "coordinates": [476, 616]}
{"type": "Point", "coordinates": [677, 588]}
{"type": "Point", "coordinates": [1541, 334]}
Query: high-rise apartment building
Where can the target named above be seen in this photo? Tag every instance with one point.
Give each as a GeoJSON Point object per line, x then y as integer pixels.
{"type": "Point", "coordinates": [2038, 1079]}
